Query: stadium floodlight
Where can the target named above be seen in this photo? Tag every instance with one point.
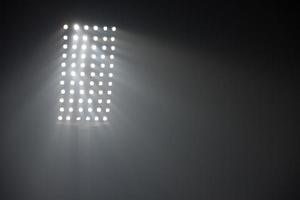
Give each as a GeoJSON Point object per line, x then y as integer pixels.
{"type": "Point", "coordinates": [86, 74]}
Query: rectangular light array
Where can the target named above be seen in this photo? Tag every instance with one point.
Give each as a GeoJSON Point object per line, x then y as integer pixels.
{"type": "Point", "coordinates": [86, 73]}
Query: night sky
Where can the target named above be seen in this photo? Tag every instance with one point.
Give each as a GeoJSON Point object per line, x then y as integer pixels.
{"type": "Point", "coordinates": [205, 104]}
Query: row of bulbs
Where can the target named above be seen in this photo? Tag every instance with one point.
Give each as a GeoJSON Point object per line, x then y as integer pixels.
{"type": "Point", "coordinates": [80, 100]}
{"type": "Point", "coordinates": [80, 109]}
{"type": "Point", "coordinates": [87, 118]}
{"type": "Point", "coordinates": [81, 91]}
{"type": "Point", "coordinates": [85, 38]}
{"type": "Point", "coordinates": [82, 65]}
{"type": "Point", "coordinates": [92, 74]}
{"type": "Point", "coordinates": [93, 56]}
{"type": "Point", "coordinates": [86, 27]}
{"type": "Point", "coordinates": [93, 47]}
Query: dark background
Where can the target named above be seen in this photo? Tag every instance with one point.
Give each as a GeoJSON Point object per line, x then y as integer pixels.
{"type": "Point", "coordinates": [204, 106]}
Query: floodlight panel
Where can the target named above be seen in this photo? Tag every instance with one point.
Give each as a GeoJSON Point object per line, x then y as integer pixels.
{"type": "Point", "coordinates": [86, 73]}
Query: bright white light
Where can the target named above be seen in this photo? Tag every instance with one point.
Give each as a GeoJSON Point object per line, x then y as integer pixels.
{"type": "Point", "coordinates": [71, 100]}
{"type": "Point", "coordinates": [107, 110]}
{"type": "Point", "coordinates": [81, 83]}
{"type": "Point", "coordinates": [75, 37]}
{"type": "Point", "coordinates": [81, 91]}
{"type": "Point", "coordinates": [65, 46]}
{"type": "Point", "coordinates": [92, 83]}
{"type": "Point", "coordinates": [72, 91]}
{"type": "Point", "coordinates": [68, 118]}
{"type": "Point", "coordinates": [63, 73]}
{"type": "Point", "coordinates": [63, 64]}
{"type": "Point", "coordinates": [102, 56]}
{"type": "Point", "coordinates": [113, 28]}
{"type": "Point", "coordinates": [96, 118]}
{"type": "Point", "coordinates": [109, 92]}
{"type": "Point", "coordinates": [108, 101]}
{"type": "Point", "coordinates": [61, 100]}
{"type": "Point", "coordinates": [82, 65]}
{"type": "Point", "coordinates": [111, 66]}
{"type": "Point", "coordinates": [74, 46]}
{"type": "Point", "coordinates": [62, 91]}
{"type": "Point", "coordinates": [83, 56]}
{"type": "Point", "coordinates": [101, 74]}
{"type": "Point", "coordinates": [111, 57]}
{"type": "Point", "coordinates": [65, 37]}
{"type": "Point", "coordinates": [93, 74]}
{"type": "Point", "coordinates": [104, 118]}
{"type": "Point", "coordinates": [82, 74]}
{"type": "Point", "coordinates": [61, 109]}
{"type": "Point", "coordinates": [113, 48]}
{"type": "Point", "coordinates": [64, 55]}
{"type": "Point", "coordinates": [73, 73]}
{"type": "Point", "coordinates": [112, 39]}
{"type": "Point", "coordinates": [93, 56]}
{"type": "Point", "coordinates": [104, 38]}
{"type": "Point", "coordinates": [94, 47]}
{"type": "Point", "coordinates": [90, 101]}
{"type": "Point", "coordinates": [80, 100]}
{"type": "Point", "coordinates": [100, 83]}
{"type": "Point", "coordinates": [78, 118]}
{"type": "Point", "coordinates": [95, 38]}
{"type": "Point", "coordinates": [76, 27]}
{"type": "Point", "coordinates": [80, 109]}
{"type": "Point", "coordinates": [71, 109]}
{"type": "Point", "coordinates": [99, 101]}
{"type": "Point", "coordinates": [98, 109]}
{"type": "Point", "coordinates": [66, 26]}
{"type": "Point", "coordinates": [95, 28]}
{"type": "Point", "coordinates": [110, 83]}
{"type": "Point", "coordinates": [102, 65]}
{"type": "Point", "coordinates": [86, 27]}
{"type": "Point", "coordinates": [110, 74]}
{"type": "Point", "coordinates": [83, 47]}
{"type": "Point", "coordinates": [104, 47]}
{"type": "Point", "coordinates": [73, 55]}
{"type": "Point", "coordinates": [72, 82]}
{"type": "Point", "coordinates": [105, 28]}
{"type": "Point", "coordinates": [87, 118]}
{"type": "Point", "coordinates": [100, 92]}
{"type": "Point", "coordinates": [61, 82]}
{"type": "Point", "coordinates": [91, 92]}
{"type": "Point", "coordinates": [84, 38]}
{"type": "Point", "coordinates": [59, 118]}
{"type": "Point", "coordinates": [90, 109]}
{"type": "Point", "coordinates": [93, 65]}
{"type": "Point", "coordinates": [73, 65]}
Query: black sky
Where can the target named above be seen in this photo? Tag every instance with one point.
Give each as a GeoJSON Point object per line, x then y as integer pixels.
{"type": "Point", "coordinates": [206, 103]}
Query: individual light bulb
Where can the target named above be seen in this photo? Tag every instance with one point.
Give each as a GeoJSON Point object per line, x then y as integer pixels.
{"type": "Point", "coordinates": [95, 38]}
{"type": "Point", "coordinates": [76, 27]}
{"type": "Point", "coordinates": [95, 28]}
